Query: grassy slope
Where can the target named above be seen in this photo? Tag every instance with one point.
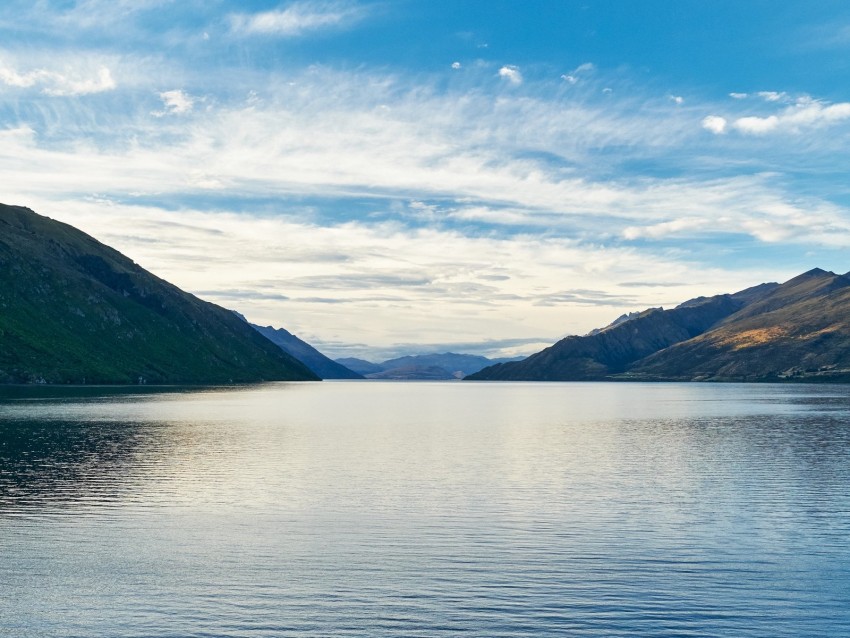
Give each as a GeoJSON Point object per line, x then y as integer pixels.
{"type": "Point", "coordinates": [73, 310]}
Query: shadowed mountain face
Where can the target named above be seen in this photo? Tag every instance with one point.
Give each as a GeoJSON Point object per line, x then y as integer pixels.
{"type": "Point", "coordinates": [323, 366]}
{"type": "Point", "coordinates": [73, 310]}
{"type": "Point", "coordinates": [799, 330]}
{"type": "Point", "coordinates": [612, 350]}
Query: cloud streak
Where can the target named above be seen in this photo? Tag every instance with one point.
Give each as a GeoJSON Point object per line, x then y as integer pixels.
{"type": "Point", "coordinates": [59, 84]}
{"type": "Point", "coordinates": [297, 19]}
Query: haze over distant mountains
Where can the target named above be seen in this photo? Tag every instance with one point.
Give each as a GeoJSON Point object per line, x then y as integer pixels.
{"type": "Point", "coordinates": [796, 331]}
{"type": "Point", "coordinates": [73, 310]}
{"type": "Point", "coordinates": [434, 367]}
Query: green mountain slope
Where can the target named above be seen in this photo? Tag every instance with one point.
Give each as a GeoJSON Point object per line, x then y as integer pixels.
{"type": "Point", "coordinates": [73, 310]}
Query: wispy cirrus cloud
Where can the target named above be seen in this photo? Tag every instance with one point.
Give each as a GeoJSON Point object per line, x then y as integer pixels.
{"type": "Point", "coordinates": [298, 18]}
{"type": "Point", "coordinates": [762, 213]}
{"type": "Point", "coordinates": [773, 96]}
{"type": "Point", "coordinates": [575, 75]}
{"type": "Point", "coordinates": [375, 136]}
{"type": "Point", "coordinates": [341, 131]}
{"type": "Point", "coordinates": [56, 83]}
{"type": "Point", "coordinates": [95, 13]}
{"type": "Point", "coordinates": [89, 23]}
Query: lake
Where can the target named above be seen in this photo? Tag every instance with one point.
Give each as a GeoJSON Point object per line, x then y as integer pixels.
{"type": "Point", "coordinates": [426, 509]}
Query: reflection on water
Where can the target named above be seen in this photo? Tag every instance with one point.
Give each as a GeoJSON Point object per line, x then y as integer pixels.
{"type": "Point", "coordinates": [390, 509]}
{"type": "Point", "coordinates": [46, 463]}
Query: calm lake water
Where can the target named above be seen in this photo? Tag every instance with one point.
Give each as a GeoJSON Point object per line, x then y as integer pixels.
{"type": "Point", "coordinates": [426, 509]}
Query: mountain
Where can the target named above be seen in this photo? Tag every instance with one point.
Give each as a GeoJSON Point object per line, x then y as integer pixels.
{"type": "Point", "coordinates": [612, 350]}
{"type": "Point", "coordinates": [360, 366]}
{"type": "Point", "coordinates": [448, 365]}
{"type": "Point", "coordinates": [414, 373]}
{"type": "Point", "coordinates": [621, 319]}
{"type": "Point", "coordinates": [457, 365]}
{"type": "Point", "coordinates": [73, 310]}
{"type": "Point", "coordinates": [323, 366]}
{"type": "Point", "coordinates": [799, 330]}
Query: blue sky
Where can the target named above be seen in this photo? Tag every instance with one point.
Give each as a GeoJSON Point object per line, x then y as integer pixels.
{"type": "Point", "coordinates": [388, 177]}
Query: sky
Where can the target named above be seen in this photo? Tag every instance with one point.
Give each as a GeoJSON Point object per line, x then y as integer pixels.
{"type": "Point", "coordinates": [407, 176]}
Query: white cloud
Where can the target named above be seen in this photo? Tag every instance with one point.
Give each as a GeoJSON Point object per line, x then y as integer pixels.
{"type": "Point", "coordinates": [663, 230]}
{"type": "Point", "coordinates": [756, 125]}
{"type": "Point", "coordinates": [10, 77]}
{"type": "Point", "coordinates": [678, 99]}
{"type": "Point", "coordinates": [805, 114]}
{"type": "Point", "coordinates": [744, 206]}
{"type": "Point", "coordinates": [715, 124]}
{"type": "Point", "coordinates": [64, 85]}
{"type": "Point", "coordinates": [739, 96]}
{"type": "Point", "coordinates": [456, 65]}
{"type": "Point", "coordinates": [511, 74]}
{"type": "Point", "coordinates": [177, 102]}
{"type": "Point", "coordinates": [73, 82]}
{"type": "Point", "coordinates": [772, 96]}
{"type": "Point", "coordinates": [298, 18]}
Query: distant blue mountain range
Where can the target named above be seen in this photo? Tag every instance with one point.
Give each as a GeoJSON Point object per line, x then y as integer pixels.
{"type": "Point", "coordinates": [445, 366]}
